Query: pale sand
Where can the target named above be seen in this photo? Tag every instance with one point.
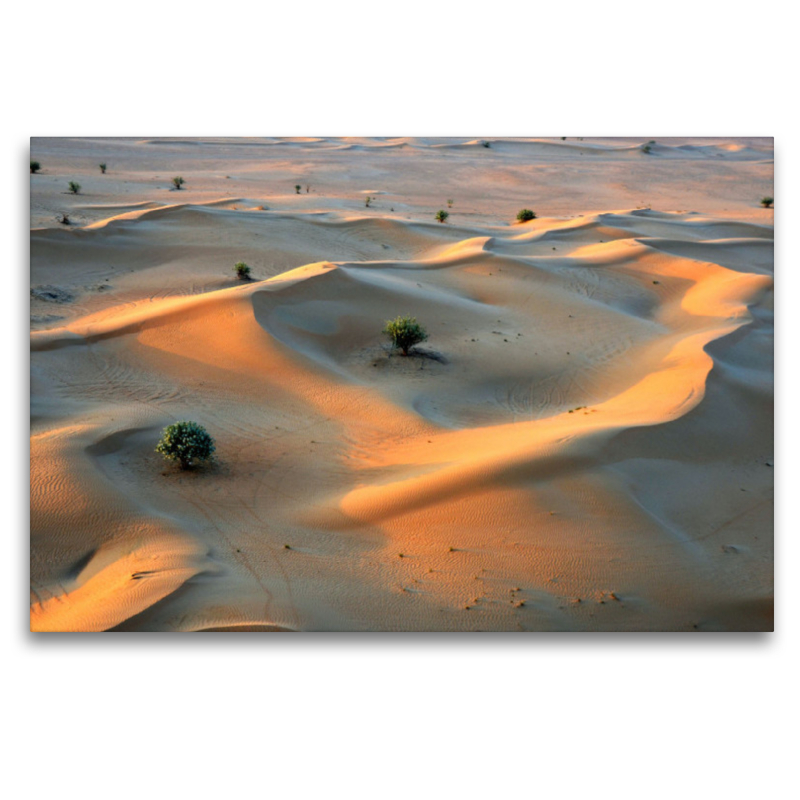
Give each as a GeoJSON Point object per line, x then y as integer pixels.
{"type": "Point", "coordinates": [583, 443]}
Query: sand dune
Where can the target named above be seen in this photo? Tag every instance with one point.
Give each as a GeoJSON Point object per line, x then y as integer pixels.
{"type": "Point", "coordinates": [583, 443]}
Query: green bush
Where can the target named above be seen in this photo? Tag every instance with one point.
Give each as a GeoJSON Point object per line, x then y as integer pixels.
{"type": "Point", "coordinates": [242, 271]}
{"type": "Point", "coordinates": [441, 215]}
{"type": "Point", "coordinates": [767, 201]}
{"type": "Point", "coordinates": [35, 167]}
{"type": "Point", "coordinates": [74, 187]}
{"type": "Point", "coordinates": [368, 201]}
{"type": "Point", "coordinates": [297, 189]}
{"type": "Point", "coordinates": [525, 215]}
{"type": "Point", "coordinates": [177, 181]}
{"type": "Point", "coordinates": [486, 144]}
{"type": "Point", "coordinates": [102, 168]}
{"type": "Point", "coordinates": [449, 203]}
{"type": "Point", "coordinates": [405, 332]}
{"type": "Point", "coordinates": [186, 443]}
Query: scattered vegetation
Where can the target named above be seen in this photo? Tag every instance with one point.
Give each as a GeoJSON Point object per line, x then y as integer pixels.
{"type": "Point", "coordinates": [74, 187]}
{"type": "Point", "coordinates": [102, 168]}
{"type": "Point", "coordinates": [525, 215]}
{"type": "Point", "coordinates": [63, 219]}
{"type": "Point", "coordinates": [767, 201]}
{"type": "Point", "coordinates": [441, 215]}
{"type": "Point", "coordinates": [177, 182]}
{"type": "Point", "coordinates": [297, 188]}
{"type": "Point", "coordinates": [242, 271]}
{"type": "Point", "coordinates": [186, 443]}
{"type": "Point", "coordinates": [35, 167]}
{"type": "Point", "coordinates": [404, 333]}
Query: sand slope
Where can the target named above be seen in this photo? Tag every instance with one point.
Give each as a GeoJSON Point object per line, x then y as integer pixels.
{"type": "Point", "coordinates": [582, 444]}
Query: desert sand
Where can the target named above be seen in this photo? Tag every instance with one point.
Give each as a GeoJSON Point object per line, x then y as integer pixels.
{"type": "Point", "coordinates": [584, 443]}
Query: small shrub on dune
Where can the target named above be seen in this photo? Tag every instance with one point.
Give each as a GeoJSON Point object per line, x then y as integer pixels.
{"type": "Point", "coordinates": [35, 167]}
{"type": "Point", "coordinates": [484, 143]}
{"type": "Point", "coordinates": [63, 219]}
{"type": "Point", "coordinates": [525, 215]}
{"type": "Point", "coordinates": [449, 203]}
{"type": "Point", "coordinates": [404, 333]}
{"type": "Point", "coordinates": [367, 201]}
{"type": "Point", "coordinates": [74, 187]}
{"type": "Point", "coordinates": [242, 271]}
{"type": "Point", "coordinates": [767, 201]}
{"type": "Point", "coordinates": [441, 215]}
{"type": "Point", "coordinates": [297, 189]}
{"type": "Point", "coordinates": [177, 182]}
{"type": "Point", "coordinates": [102, 168]}
{"type": "Point", "coordinates": [186, 443]}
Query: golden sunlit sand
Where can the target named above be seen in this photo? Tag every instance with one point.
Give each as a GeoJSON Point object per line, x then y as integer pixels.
{"type": "Point", "coordinates": [584, 442]}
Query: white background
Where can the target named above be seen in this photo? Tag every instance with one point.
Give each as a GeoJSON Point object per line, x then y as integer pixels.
{"type": "Point", "coordinates": [374, 716]}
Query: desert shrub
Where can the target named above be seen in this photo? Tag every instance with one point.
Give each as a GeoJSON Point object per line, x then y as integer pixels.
{"type": "Point", "coordinates": [525, 215]}
{"type": "Point", "coordinates": [441, 215]}
{"type": "Point", "coordinates": [63, 219]}
{"type": "Point", "coordinates": [242, 271]}
{"type": "Point", "coordinates": [486, 144]}
{"type": "Point", "coordinates": [449, 203]}
{"type": "Point", "coordinates": [367, 201]}
{"type": "Point", "coordinates": [405, 332]}
{"type": "Point", "coordinates": [767, 201]}
{"type": "Point", "coordinates": [297, 189]}
{"type": "Point", "coordinates": [102, 168]}
{"type": "Point", "coordinates": [74, 187]}
{"type": "Point", "coordinates": [647, 148]}
{"type": "Point", "coordinates": [186, 443]}
{"type": "Point", "coordinates": [177, 182]}
{"type": "Point", "coordinates": [35, 167]}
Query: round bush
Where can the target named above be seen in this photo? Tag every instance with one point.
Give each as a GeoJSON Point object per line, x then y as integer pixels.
{"type": "Point", "coordinates": [441, 215]}
{"type": "Point", "coordinates": [405, 332]}
{"type": "Point", "coordinates": [525, 215]}
{"type": "Point", "coordinates": [767, 201]}
{"type": "Point", "coordinates": [242, 271]}
{"type": "Point", "coordinates": [186, 443]}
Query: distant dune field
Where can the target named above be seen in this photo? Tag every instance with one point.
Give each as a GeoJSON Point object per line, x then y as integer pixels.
{"type": "Point", "coordinates": [584, 443]}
